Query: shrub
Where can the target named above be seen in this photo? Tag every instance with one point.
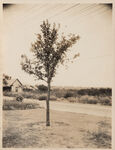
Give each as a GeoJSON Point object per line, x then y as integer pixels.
{"type": "Point", "coordinates": [88, 99]}
{"type": "Point", "coordinates": [27, 90]}
{"type": "Point", "coordinates": [43, 97]}
{"type": "Point", "coordinates": [105, 100]}
{"type": "Point", "coordinates": [19, 98]}
{"type": "Point", "coordinates": [95, 91]}
{"type": "Point", "coordinates": [83, 99]}
{"type": "Point", "coordinates": [72, 100]}
{"type": "Point", "coordinates": [68, 94]}
{"type": "Point", "coordinates": [42, 88]}
{"type": "Point", "coordinates": [92, 100]}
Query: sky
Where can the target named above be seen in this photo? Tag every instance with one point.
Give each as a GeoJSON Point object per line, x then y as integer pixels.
{"type": "Point", "coordinates": [92, 22]}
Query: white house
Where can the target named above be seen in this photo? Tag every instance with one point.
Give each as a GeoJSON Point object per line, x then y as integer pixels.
{"type": "Point", "coordinates": [13, 85]}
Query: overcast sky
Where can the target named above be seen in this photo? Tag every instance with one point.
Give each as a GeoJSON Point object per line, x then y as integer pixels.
{"type": "Point", "coordinates": [93, 22]}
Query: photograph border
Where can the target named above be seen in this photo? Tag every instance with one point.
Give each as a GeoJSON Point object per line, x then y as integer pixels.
{"type": "Point", "coordinates": [113, 67]}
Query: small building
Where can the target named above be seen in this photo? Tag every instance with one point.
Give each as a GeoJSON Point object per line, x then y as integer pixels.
{"type": "Point", "coordinates": [28, 88]}
{"type": "Point", "coordinates": [13, 85]}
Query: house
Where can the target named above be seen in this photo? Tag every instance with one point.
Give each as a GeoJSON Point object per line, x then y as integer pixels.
{"type": "Point", "coordinates": [13, 85]}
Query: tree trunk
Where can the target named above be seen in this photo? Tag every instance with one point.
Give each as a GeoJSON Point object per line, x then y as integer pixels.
{"type": "Point", "coordinates": [47, 107]}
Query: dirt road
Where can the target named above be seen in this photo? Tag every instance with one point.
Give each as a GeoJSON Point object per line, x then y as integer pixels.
{"type": "Point", "coordinates": [91, 109]}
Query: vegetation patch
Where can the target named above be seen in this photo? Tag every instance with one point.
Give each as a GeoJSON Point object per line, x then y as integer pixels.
{"type": "Point", "coordinates": [68, 94]}
{"type": "Point", "coordinates": [101, 137]}
{"type": "Point", "coordinates": [15, 105]}
{"type": "Point", "coordinates": [19, 98]}
{"type": "Point", "coordinates": [42, 88]}
{"type": "Point", "coordinates": [44, 97]}
{"type": "Point", "coordinates": [105, 100]}
{"type": "Point", "coordinates": [100, 96]}
{"type": "Point", "coordinates": [12, 140]}
{"type": "Point", "coordinates": [88, 99]}
{"type": "Point", "coordinates": [95, 91]}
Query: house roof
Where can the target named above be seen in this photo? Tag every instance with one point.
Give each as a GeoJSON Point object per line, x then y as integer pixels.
{"type": "Point", "coordinates": [11, 82]}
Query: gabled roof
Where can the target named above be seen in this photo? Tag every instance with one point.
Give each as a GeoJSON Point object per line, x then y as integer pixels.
{"type": "Point", "coordinates": [11, 82]}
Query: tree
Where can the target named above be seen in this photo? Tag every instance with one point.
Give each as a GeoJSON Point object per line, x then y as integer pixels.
{"type": "Point", "coordinates": [48, 52]}
{"type": "Point", "coordinates": [42, 88]}
{"type": "Point", "coordinates": [5, 79]}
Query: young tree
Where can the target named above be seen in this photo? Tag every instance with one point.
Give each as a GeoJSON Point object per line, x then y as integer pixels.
{"type": "Point", "coordinates": [48, 52]}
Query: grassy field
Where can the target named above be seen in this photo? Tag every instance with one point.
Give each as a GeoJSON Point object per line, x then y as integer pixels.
{"type": "Point", "coordinates": [24, 127]}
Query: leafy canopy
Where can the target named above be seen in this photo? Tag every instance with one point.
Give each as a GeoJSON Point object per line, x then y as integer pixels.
{"type": "Point", "coordinates": [48, 52]}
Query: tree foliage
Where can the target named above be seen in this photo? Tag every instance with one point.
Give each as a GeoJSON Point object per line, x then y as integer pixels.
{"type": "Point", "coordinates": [48, 52]}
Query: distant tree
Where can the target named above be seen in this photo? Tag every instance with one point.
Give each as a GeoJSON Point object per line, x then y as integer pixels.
{"type": "Point", "coordinates": [5, 79]}
{"type": "Point", "coordinates": [48, 52]}
{"type": "Point", "coordinates": [42, 88]}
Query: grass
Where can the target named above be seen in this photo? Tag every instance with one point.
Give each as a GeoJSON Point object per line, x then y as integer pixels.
{"type": "Point", "coordinates": [11, 140]}
{"type": "Point", "coordinates": [27, 129]}
{"type": "Point", "coordinates": [101, 136]}
{"type": "Point", "coordinates": [15, 105]}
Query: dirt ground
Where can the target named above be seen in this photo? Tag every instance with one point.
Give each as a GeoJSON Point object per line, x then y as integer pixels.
{"type": "Point", "coordinates": [26, 129]}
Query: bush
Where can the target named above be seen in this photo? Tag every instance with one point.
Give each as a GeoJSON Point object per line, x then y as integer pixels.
{"type": "Point", "coordinates": [27, 90]}
{"type": "Point", "coordinates": [95, 92]}
{"type": "Point", "coordinates": [92, 100]}
{"type": "Point", "coordinates": [43, 97]}
{"type": "Point", "coordinates": [19, 98]}
{"type": "Point", "coordinates": [42, 88]}
{"type": "Point", "coordinates": [72, 100]}
{"type": "Point", "coordinates": [68, 94]}
{"type": "Point", "coordinates": [105, 100]}
{"type": "Point", "coordinates": [83, 99]}
{"type": "Point", "coordinates": [88, 99]}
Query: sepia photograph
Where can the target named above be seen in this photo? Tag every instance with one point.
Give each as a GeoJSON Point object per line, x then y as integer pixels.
{"type": "Point", "coordinates": [57, 75]}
